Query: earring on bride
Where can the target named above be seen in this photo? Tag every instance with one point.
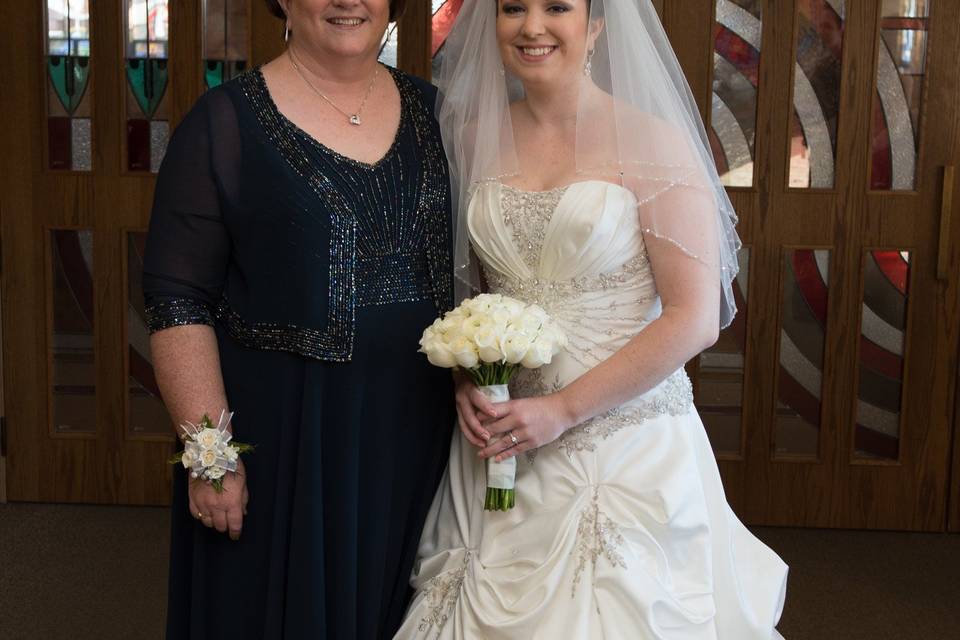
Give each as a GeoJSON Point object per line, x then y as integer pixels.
{"type": "Point", "coordinates": [286, 33]}
{"type": "Point", "coordinates": [588, 67]}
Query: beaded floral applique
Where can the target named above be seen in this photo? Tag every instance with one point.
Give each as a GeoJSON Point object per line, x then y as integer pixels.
{"type": "Point", "coordinates": [548, 293]}
{"type": "Point", "coordinates": [527, 214]}
{"type": "Point", "coordinates": [442, 593]}
{"type": "Point", "coordinates": [597, 535]}
{"type": "Point", "coordinates": [674, 398]}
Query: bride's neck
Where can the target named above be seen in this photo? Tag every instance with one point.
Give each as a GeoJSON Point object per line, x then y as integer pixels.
{"type": "Point", "coordinates": [552, 105]}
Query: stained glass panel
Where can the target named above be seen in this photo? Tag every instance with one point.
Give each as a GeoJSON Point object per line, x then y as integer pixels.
{"type": "Point", "coordinates": [882, 339]}
{"type": "Point", "coordinates": [72, 356]}
{"type": "Point", "coordinates": [225, 40]}
{"type": "Point", "coordinates": [147, 101]}
{"type": "Point", "coordinates": [146, 413]}
{"type": "Point", "coordinates": [444, 14]}
{"type": "Point", "coordinates": [901, 67]}
{"type": "Point", "coordinates": [816, 93]}
{"type": "Point", "coordinates": [736, 66]}
{"type": "Point", "coordinates": [720, 374]}
{"type": "Point", "coordinates": [802, 339]}
{"type": "Point", "coordinates": [69, 95]}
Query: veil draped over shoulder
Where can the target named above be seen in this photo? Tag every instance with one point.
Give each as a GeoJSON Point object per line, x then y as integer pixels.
{"type": "Point", "coordinates": [637, 125]}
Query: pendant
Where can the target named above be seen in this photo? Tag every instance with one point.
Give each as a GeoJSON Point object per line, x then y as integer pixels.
{"type": "Point", "coordinates": [355, 119]}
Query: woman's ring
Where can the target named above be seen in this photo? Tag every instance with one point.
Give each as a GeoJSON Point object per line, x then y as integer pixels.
{"type": "Point", "coordinates": [513, 439]}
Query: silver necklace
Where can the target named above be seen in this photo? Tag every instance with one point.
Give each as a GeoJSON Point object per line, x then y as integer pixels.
{"type": "Point", "coordinates": [353, 118]}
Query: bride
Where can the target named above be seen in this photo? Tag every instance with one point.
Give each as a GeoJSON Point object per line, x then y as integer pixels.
{"type": "Point", "coordinates": [583, 183]}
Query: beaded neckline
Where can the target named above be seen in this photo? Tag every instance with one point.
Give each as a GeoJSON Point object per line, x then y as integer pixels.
{"type": "Point", "coordinates": [261, 84]}
{"type": "Point", "coordinates": [564, 187]}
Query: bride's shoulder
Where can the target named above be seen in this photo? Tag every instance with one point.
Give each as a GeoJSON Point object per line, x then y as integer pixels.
{"type": "Point", "coordinates": [653, 137]}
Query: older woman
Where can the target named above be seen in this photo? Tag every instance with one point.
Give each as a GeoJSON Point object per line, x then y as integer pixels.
{"type": "Point", "coordinates": [300, 242]}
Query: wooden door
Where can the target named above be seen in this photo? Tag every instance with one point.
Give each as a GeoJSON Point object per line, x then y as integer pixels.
{"type": "Point", "coordinates": [91, 90]}
{"type": "Point", "coordinates": [829, 401]}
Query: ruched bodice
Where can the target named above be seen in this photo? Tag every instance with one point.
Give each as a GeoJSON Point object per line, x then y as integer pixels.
{"type": "Point", "coordinates": [578, 252]}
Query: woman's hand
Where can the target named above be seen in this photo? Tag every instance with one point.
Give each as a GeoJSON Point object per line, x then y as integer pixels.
{"type": "Point", "coordinates": [534, 422]}
{"type": "Point", "coordinates": [474, 408]}
{"type": "Point", "coordinates": [223, 511]}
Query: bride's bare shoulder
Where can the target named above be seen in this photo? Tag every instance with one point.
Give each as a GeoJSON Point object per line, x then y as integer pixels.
{"type": "Point", "coordinates": [667, 138]}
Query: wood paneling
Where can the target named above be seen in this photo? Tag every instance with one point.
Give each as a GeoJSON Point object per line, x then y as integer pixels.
{"type": "Point", "coordinates": [836, 490]}
{"type": "Point", "coordinates": [415, 32]}
{"type": "Point", "coordinates": [108, 468]}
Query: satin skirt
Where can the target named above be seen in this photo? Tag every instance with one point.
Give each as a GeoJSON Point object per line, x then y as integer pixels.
{"type": "Point", "coordinates": [632, 539]}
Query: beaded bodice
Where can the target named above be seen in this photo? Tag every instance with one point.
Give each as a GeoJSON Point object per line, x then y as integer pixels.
{"type": "Point", "coordinates": [577, 251]}
{"type": "Point", "coordinates": [286, 243]}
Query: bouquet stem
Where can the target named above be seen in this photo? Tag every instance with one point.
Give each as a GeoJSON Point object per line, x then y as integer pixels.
{"type": "Point", "coordinates": [500, 499]}
{"type": "Point", "coordinates": [501, 476]}
{"type": "Point", "coordinates": [493, 374]}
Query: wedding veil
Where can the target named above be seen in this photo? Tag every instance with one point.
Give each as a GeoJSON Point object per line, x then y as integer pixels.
{"type": "Point", "coordinates": [645, 133]}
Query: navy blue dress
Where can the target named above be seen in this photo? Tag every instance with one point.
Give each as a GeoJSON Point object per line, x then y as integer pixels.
{"type": "Point", "coordinates": [318, 274]}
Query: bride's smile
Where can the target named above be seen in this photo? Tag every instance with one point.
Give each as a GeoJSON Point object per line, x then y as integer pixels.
{"type": "Point", "coordinates": [543, 41]}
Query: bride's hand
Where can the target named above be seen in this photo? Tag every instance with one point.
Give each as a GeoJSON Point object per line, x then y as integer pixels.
{"type": "Point", "coordinates": [534, 422]}
{"type": "Point", "coordinates": [223, 511]}
{"type": "Point", "coordinates": [473, 408]}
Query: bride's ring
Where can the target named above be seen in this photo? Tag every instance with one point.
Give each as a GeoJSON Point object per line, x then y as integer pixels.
{"type": "Point", "coordinates": [513, 439]}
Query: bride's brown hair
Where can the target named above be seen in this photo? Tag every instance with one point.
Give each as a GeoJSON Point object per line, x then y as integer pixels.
{"type": "Point", "coordinates": [396, 8]}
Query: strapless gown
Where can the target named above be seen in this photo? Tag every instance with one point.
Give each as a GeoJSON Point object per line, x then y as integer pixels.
{"type": "Point", "coordinates": [621, 527]}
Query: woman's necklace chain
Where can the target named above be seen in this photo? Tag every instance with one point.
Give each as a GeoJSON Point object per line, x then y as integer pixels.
{"type": "Point", "coordinates": [353, 118]}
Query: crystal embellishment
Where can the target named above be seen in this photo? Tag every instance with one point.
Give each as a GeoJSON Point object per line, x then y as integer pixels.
{"type": "Point", "coordinates": [442, 592]}
{"type": "Point", "coordinates": [528, 213]}
{"type": "Point", "coordinates": [597, 535]}
{"type": "Point", "coordinates": [674, 397]}
{"type": "Point", "coordinates": [355, 120]}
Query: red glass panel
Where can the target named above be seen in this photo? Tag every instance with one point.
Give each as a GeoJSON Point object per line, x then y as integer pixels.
{"type": "Point", "coordinates": [138, 145]}
{"type": "Point", "coordinates": [59, 134]}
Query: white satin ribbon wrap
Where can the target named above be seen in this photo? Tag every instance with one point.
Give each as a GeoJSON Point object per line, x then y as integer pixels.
{"type": "Point", "coordinates": [500, 475]}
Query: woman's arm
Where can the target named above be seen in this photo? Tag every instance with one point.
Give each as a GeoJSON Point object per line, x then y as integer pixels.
{"type": "Point", "coordinates": [187, 365]}
{"type": "Point", "coordinates": [187, 251]}
{"type": "Point", "coordinates": [690, 294]}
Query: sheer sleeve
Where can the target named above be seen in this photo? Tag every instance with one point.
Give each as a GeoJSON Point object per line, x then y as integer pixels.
{"type": "Point", "coordinates": [188, 245]}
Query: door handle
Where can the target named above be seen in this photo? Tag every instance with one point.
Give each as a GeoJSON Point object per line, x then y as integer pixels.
{"type": "Point", "coordinates": [946, 211]}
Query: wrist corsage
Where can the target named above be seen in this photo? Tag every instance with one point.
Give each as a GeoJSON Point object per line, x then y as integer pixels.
{"type": "Point", "coordinates": [209, 450]}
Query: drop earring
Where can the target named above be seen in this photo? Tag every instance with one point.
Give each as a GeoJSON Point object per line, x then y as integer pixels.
{"type": "Point", "coordinates": [588, 67]}
{"type": "Point", "coordinates": [286, 33]}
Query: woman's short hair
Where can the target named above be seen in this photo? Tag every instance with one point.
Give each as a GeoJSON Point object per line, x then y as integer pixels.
{"type": "Point", "coordinates": [396, 9]}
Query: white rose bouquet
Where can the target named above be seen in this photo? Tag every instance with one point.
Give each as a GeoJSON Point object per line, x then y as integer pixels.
{"type": "Point", "coordinates": [491, 337]}
{"type": "Point", "coordinates": [209, 451]}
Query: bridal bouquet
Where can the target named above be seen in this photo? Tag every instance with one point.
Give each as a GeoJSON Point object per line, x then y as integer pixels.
{"type": "Point", "coordinates": [208, 450]}
{"type": "Point", "coordinates": [491, 337]}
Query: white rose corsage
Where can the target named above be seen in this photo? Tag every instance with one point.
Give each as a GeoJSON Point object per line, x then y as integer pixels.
{"type": "Point", "coordinates": [209, 449]}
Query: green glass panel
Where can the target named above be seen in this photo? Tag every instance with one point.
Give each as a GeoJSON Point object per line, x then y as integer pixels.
{"type": "Point", "coordinates": [148, 81]}
{"type": "Point", "coordinates": [69, 75]}
{"type": "Point", "coordinates": [213, 73]}
{"type": "Point", "coordinates": [216, 72]}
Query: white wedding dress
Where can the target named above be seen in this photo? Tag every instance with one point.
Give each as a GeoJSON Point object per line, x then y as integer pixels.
{"type": "Point", "coordinates": [621, 528]}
